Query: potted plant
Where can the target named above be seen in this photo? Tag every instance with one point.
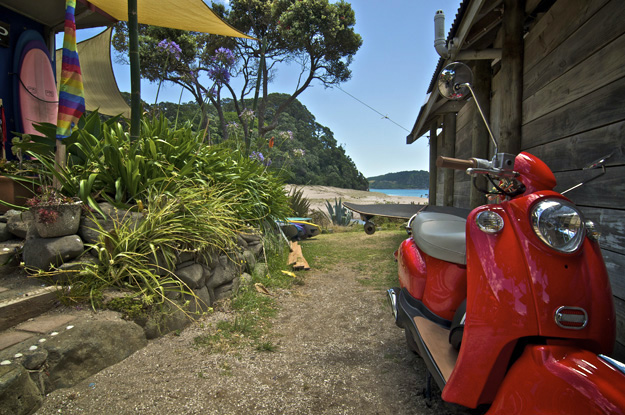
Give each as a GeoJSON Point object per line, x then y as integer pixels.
{"type": "Point", "coordinates": [54, 213]}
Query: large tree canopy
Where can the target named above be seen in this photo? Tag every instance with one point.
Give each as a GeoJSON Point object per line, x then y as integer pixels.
{"type": "Point", "coordinates": [314, 35]}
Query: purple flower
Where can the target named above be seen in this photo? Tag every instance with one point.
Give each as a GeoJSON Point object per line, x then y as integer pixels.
{"type": "Point", "coordinates": [224, 56]}
{"type": "Point", "coordinates": [219, 74]}
{"type": "Point", "coordinates": [257, 155]}
{"type": "Point", "coordinates": [170, 47]}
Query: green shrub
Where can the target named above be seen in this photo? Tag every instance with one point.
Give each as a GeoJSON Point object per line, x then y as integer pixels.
{"type": "Point", "coordinates": [298, 203]}
{"type": "Point", "coordinates": [338, 213]}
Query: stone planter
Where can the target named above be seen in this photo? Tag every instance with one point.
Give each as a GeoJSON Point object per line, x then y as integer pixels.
{"type": "Point", "coordinates": [66, 222]}
{"type": "Point", "coordinates": [15, 193]}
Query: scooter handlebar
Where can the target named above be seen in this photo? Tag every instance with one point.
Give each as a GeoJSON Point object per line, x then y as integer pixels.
{"type": "Point", "coordinates": [456, 164]}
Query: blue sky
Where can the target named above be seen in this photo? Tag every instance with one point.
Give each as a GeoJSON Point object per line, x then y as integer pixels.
{"type": "Point", "coordinates": [390, 73]}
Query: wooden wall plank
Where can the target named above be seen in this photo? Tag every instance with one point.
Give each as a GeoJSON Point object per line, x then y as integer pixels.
{"type": "Point", "coordinates": [615, 264]}
{"type": "Point", "coordinates": [619, 352]}
{"type": "Point", "coordinates": [560, 21]}
{"type": "Point", "coordinates": [619, 306]}
{"type": "Point", "coordinates": [611, 224]}
{"type": "Point", "coordinates": [606, 191]}
{"type": "Point", "coordinates": [601, 68]}
{"type": "Point", "coordinates": [602, 107]}
{"type": "Point", "coordinates": [582, 149]}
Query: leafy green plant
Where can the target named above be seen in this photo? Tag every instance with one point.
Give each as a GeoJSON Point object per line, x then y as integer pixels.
{"type": "Point", "coordinates": [338, 213]}
{"type": "Point", "coordinates": [299, 204]}
{"type": "Point", "coordinates": [103, 163]}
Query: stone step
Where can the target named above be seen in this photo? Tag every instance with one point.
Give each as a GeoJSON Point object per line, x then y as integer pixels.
{"type": "Point", "coordinates": [17, 308]}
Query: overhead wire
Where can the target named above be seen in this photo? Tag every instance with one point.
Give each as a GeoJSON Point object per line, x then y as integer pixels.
{"type": "Point", "coordinates": [373, 109]}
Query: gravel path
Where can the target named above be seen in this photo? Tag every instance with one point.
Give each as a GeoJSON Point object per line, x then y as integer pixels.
{"type": "Point", "coordinates": [338, 352]}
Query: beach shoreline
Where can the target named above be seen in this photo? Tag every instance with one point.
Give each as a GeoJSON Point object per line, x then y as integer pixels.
{"type": "Point", "coordinates": [318, 195]}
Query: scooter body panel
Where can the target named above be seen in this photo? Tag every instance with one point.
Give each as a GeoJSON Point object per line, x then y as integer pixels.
{"type": "Point", "coordinates": [440, 285]}
{"type": "Point", "coordinates": [560, 380]}
{"type": "Point", "coordinates": [577, 281]}
{"type": "Point", "coordinates": [500, 310]}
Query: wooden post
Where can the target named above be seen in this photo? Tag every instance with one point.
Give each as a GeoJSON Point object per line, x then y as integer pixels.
{"type": "Point", "coordinates": [479, 134]}
{"type": "Point", "coordinates": [449, 150]}
{"type": "Point", "coordinates": [60, 158]}
{"type": "Point", "coordinates": [135, 74]}
{"type": "Point", "coordinates": [433, 168]}
{"type": "Point", "coordinates": [512, 77]}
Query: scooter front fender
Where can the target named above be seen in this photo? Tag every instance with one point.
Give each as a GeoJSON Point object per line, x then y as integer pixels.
{"type": "Point", "coordinates": [560, 380]}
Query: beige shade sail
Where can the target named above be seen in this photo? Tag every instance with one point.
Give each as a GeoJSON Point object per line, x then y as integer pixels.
{"type": "Point", "coordinates": [191, 15]}
{"type": "Point", "coordinates": [101, 91]}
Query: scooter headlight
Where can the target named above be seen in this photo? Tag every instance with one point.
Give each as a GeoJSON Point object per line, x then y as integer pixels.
{"type": "Point", "coordinates": [558, 224]}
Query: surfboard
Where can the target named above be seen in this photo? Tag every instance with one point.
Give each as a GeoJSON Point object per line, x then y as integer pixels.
{"type": "Point", "coordinates": [36, 85]}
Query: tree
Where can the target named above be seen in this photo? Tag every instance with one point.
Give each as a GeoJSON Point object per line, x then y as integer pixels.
{"type": "Point", "coordinates": [314, 34]}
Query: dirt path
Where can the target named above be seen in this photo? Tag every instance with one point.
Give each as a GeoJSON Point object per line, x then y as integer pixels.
{"type": "Point", "coordinates": [338, 352]}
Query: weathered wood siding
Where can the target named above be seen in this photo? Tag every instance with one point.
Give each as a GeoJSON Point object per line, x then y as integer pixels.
{"type": "Point", "coordinates": [464, 125]}
{"type": "Point", "coordinates": [573, 114]}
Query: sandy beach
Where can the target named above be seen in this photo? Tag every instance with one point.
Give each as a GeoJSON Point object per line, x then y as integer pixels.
{"type": "Point", "coordinates": [319, 194]}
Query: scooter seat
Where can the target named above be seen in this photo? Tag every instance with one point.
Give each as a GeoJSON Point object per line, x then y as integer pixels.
{"type": "Point", "coordinates": [441, 235]}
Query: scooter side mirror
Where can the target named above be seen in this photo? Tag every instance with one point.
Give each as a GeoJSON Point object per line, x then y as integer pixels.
{"type": "Point", "coordinates": [454, 81]}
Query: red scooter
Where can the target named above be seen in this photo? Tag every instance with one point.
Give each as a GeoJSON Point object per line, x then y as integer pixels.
{"type": "Point", "coordinates": [510, 304]}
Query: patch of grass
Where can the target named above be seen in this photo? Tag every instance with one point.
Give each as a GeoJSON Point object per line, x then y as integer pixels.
{"type": "Point", "coordinates": [370, 255]}
{"type": "Point", "coordinates": [252, 310]}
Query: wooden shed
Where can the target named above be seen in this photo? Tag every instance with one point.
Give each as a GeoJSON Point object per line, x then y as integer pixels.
{"type": "Point", "coordinates": [550, 75]}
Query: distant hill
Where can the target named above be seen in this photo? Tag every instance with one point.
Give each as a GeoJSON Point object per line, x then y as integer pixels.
{"type": "Point", "coordinates": [414, 179]}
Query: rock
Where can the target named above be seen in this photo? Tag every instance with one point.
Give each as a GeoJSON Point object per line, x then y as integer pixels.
{"type": "Point", "coordinates": [200, 304]}
{"type": "Point", "coordinates": [256, 248]}
{"type": "Point", "coordinates": [89, 347]}
{"type": "Point", "coordinates": [227, 290]}
{"type": "Point", "coordinates": [223, 273]}
{"type": "Point", "coordinates": [261, 269]}
{"type": "Point", "coordinates": [249, 261]}
{"type": "Point", "coordinates": [40, 253]}
{"type": "Point", "coordinates": [210, 259]}
{"type": "Point", "coordinates": [18, 393]}
{"type": "Point", "coordinates": [241, 242]}
{"type": "Point", "coordinates": [192, 275]}
{"type": "Point", "coordinates": [246, 278]}
{"type": "Point", "coordinates": [35, 360]}
{"type": "Point", "coordinates": [172, 320]}
{"type": "Point", "coordinates": [9, 252]}
{"type": "Point", "coordinates": [186, 256]}
{"type": "Point", "coordinates": [5, 235]}
{"type": "Point", "coordinates": [18, 224]}
{"type": "Point", "coordinates": [90, 231]}
{"type": "Point", "coordinates": [68, 270]}
{"type": "Point", "coordinates": [251, 237]}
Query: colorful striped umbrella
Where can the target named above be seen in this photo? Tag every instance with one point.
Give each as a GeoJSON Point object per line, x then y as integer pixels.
{"type": "Point", "coordinates": [71, 90]}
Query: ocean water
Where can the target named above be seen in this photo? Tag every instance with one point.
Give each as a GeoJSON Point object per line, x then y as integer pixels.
{"type": "Point", "coordinates": [403, 192]}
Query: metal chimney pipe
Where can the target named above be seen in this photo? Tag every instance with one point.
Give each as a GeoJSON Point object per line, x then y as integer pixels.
{"type": "Point", "coordinates": [440, 44]}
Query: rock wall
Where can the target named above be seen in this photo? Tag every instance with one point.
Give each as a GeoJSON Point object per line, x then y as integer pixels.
{"type": "Point", "coordinates": [75, 355]}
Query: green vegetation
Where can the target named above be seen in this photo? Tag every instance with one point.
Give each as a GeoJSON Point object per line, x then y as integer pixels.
{"type": "Point", "coordinates": [299, 204]}
{"type": "Point", "coordinates": [252, 309]}
{"type": "Point", "coordinates": [189, 196]}
{"type": "Point", "coordinates": [370, 255]}
{"type": "Point", "coordinates": [302, 150]}
{"type": "Point", "coordinates": [339, 214]}
{"type": "Point", "coordinates": [415, 179]}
